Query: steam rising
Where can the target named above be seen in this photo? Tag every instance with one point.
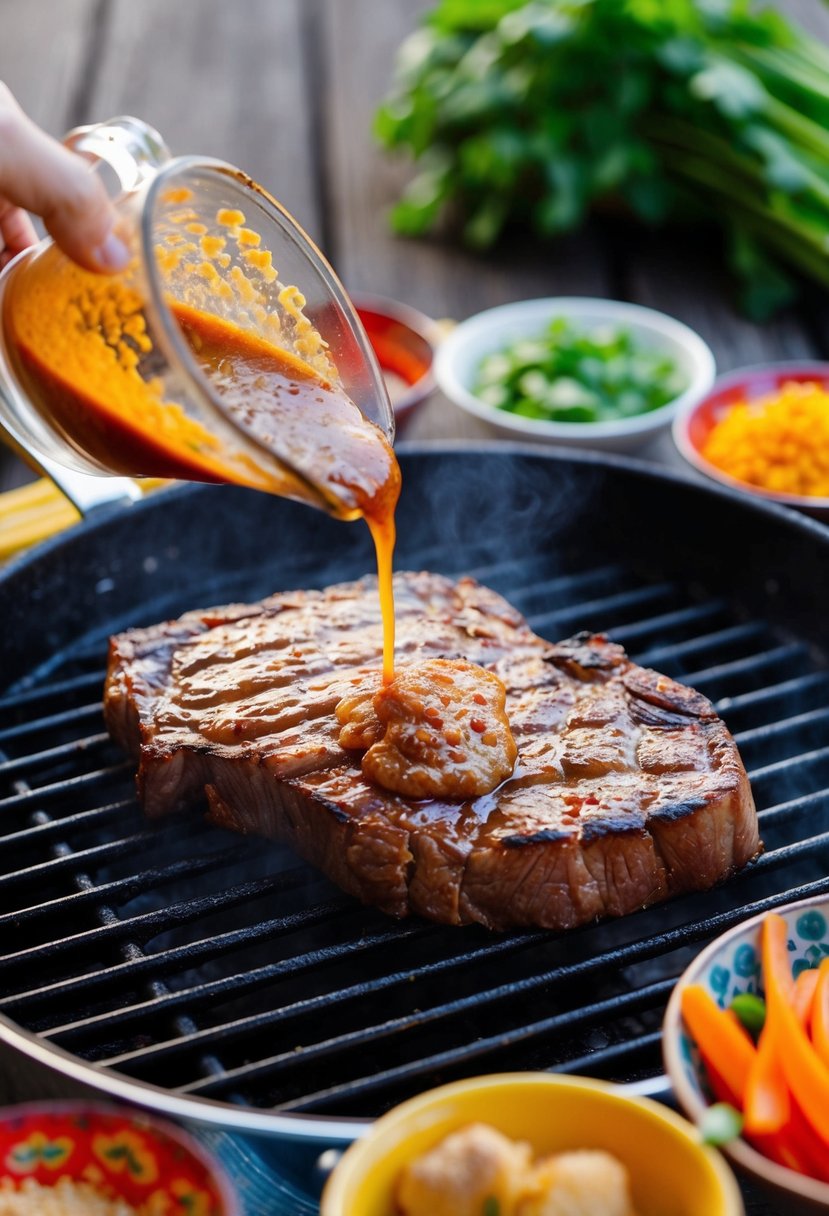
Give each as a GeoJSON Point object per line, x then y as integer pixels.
{"type": "Point", "coordinates": [482, 508]}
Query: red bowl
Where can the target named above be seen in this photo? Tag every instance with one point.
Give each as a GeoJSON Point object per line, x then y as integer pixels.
{"type": "Point", "coordinates": [693, 425]}
{"type": "Point", "coordinates": [123, 1154]}
{"type": "Point", "coordinates": [404, 341]}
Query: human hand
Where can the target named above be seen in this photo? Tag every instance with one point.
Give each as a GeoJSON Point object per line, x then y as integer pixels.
{"type": "Point", "coordinates": [40, 175]}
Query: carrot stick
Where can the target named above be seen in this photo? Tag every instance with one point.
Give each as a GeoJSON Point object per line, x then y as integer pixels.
{"type": "Point", "coordinates": [804, 993]}
{"type": "Point", "coordinates": [806, 1074]}
{"type": "Point", "coordinates": [779, 1149]}
{"type": "Point", "coordinates": [766, 1105]}
{"type": "Point", "coordinates": [775, 952]}
{"type": "Point", "coordinates": [721, 1040]}
{"type": "Point", "coordinates": [820, 1013]}
{"type": "Point", "coordinates": [809, 1144]}
{"type": "Point", "coordinates": [721, 1091]}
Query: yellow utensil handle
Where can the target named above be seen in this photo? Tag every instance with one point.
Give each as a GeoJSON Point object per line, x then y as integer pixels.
{"type": "Point", "coordinates": [33, 512]}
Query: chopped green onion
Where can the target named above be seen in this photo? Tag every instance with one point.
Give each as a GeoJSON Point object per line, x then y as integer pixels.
{"type": "Point", "coordinates": [720, 1123]}
{"type": "Point", "coordinates": [569, 374]}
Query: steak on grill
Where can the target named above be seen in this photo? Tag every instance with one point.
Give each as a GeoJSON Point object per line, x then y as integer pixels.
{"type": "Point", "coordinates": [628, 787]}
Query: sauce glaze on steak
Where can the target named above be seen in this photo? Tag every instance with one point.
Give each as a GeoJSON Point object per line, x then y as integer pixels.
{"type": "Point", "coordinates": [628, 787]}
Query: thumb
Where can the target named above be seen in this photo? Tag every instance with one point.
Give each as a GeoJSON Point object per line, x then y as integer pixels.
{"type": "Point", "coordinates": [38, 174]}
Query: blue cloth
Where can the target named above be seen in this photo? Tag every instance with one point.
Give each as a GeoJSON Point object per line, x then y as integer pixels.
{"type": "Point", "coordinates": [262, 1189]}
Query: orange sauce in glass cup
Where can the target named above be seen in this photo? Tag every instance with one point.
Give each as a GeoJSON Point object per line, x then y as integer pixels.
{"type": "Point", "coordinates": [77, 341]}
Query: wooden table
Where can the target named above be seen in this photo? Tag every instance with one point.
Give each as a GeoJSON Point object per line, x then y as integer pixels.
{"type": "Point", "coordinates": [286, 89]}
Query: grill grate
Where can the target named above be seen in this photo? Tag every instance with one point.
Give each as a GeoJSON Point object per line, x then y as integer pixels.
{"type": "Point", "coordinates": [221, 969]}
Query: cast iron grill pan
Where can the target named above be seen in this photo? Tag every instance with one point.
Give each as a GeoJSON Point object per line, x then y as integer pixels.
{"type": "Point", "coordinates": [217, 968]}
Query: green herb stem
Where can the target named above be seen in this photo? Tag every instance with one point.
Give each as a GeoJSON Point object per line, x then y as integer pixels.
{"type": "Point", "coordinates": [791, 72]}
{"type": "Point", "coordinates": [773, 218]}
{"type": "Point", "coordinates": [676, 134]}
{"type": "Point", "coordinates": [798, 128]}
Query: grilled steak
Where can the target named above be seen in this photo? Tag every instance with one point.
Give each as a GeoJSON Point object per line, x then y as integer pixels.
{"type": "Point", "coordinates": [628, 787]}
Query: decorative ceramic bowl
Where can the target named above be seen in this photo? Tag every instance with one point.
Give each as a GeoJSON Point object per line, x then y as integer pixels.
{"type": "Point", "coordinates": [696, 419]}
{"type": "Point", "coordinates": [460, 354]}
{"type": "Point", "coordinates": [120, 1153]}
{"type": "Point", "coordinates": [728, 966]}
{"type": "Point", "coordinates": [671, 1172]}
{"type": "Point", "coordinates": [404, 341]}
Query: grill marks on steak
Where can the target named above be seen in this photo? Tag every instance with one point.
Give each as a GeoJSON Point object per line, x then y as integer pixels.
{"type": "Point", "coordinates": [628, 787]}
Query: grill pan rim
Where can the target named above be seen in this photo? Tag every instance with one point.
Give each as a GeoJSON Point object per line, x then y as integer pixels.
{"type": "Point", "coordinates": [102, 516]}
{"type": "Point", "coordinates": [327, 1129]}
{"type": "Point", "coordinates": [317, 1129]}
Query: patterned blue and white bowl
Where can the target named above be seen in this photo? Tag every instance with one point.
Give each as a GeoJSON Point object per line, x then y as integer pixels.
{"type": "Point", "coordinates": [728, 966]}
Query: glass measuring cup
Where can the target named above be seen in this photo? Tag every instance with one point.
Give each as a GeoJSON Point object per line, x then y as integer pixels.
{"type": "Point", "coordinates": [108, 375]}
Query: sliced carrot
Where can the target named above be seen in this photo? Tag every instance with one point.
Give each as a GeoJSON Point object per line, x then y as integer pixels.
{"type": "Point", "coordinates": [804, 994]}
{"type": "Point", "coordinates": [820, 1013]}
{"type": "Point", "coordinates": [721, 1040]}
{"type": "Point", "coordinates": [806, 1074]}
{"type": "Point", "coordinates": [797, 1146]}
{"type": "Point", "coordinates": [774, 943]}
{"type": "Point", "coordinates": [721, 1091]}
{"type": "Point", "coordinates": [779, 1148]}
{"type": "Point", "coordinates": [766, 1105]}
{"type": "Point", "coordinates": [809, 1144]}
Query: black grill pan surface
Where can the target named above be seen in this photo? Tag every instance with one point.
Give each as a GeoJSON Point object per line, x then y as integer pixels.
{"type": "Point", "coordinates": [220, 978]}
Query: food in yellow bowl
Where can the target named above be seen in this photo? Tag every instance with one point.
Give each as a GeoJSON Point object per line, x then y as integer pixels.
{"type": "Point", "coordinates": [479, 1170]}
{"type": "Point", "coordinates": [671, 1172]}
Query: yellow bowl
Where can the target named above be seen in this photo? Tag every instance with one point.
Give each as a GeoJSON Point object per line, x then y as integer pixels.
{"type": "Point", "coordinates": [671, 1172]}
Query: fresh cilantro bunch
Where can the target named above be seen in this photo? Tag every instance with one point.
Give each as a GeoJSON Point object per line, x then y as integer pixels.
{"type": "Point", "coordinates": [534, 111]}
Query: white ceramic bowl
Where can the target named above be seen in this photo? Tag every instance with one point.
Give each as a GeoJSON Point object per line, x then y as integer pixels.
{"type": "Point", "coordinates": [459, 357]}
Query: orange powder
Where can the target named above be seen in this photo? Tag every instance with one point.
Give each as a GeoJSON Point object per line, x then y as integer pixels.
{"type": "Point", "coordinates": [77, 340]}
{"type": "Point", "coordinates": [779, 443]}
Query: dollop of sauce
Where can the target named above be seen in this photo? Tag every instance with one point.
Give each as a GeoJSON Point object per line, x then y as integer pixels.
{"type": "Point", "coordinates": [439, 729]}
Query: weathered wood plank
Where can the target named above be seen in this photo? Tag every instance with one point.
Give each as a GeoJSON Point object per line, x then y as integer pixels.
{"type": "Point", "coordinates": [684, 275]}
{"type": "Point", "coordinates": [812, 15]}
{"type": "Point", "coordinates": [44, 48]}
{"type": "Point", "coordinates": [216, 79]}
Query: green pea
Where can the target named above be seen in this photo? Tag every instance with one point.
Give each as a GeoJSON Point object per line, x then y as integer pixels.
{"type": "Point", "coordinates": [751, 1010]}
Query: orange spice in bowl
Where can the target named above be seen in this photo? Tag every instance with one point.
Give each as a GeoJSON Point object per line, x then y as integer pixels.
{"type": "Point", "coordinates": [778, 442]}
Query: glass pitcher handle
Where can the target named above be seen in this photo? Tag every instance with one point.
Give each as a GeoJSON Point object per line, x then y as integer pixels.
{"type": "Point", "coordinates": [131, 147]}
{"type": "Point", "coordinates": [135, 152]}
{"type": "Point", "coordinates": [86, 492]}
